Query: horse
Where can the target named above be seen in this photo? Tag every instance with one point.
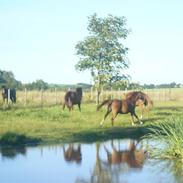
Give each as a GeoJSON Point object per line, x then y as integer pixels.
{"type": "Point", "coordinates": [133, 157]}
{"type": "Point", "coordinates": [72, 153]}
{"type": "Point", "coordinates": [72, 98]}
{"type": "Point", "coordinates": [5, 94]}
{"type": "Point", "coordinates": [142, 100]}
{"type": "Point", "coordinates": [121, 107]}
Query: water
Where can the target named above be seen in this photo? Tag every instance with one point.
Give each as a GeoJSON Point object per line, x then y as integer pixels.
{"type": "Point", "coordinates": [117, 161]}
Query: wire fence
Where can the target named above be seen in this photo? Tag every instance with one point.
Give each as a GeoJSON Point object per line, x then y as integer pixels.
{"type": "Point", "coordinates": [55, 97]}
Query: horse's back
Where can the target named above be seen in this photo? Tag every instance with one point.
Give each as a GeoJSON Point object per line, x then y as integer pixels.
{"type": "Point", "coordinates": [122, 106]}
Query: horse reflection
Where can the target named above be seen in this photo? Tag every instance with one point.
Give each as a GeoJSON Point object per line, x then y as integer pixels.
{"type": "Point", "coordinates": [110, 170]}
{"type": "Point", "coordinates": [73, 154]}
{"type": "Point", "coordinates": [133, 157]}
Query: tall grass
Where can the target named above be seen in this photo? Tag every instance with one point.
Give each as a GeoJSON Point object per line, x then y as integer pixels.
{"type": "Point", "coordinates": [170, 134]}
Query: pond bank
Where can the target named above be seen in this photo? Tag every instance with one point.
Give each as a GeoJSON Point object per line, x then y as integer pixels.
{"type": "Point", "coordinates": [99, 134]}
{"type": "Point", "coordinates": [53, 125]}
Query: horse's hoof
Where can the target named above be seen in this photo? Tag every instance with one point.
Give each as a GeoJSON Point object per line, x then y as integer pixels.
{"type": "Point", "coordinates": [141, 122]}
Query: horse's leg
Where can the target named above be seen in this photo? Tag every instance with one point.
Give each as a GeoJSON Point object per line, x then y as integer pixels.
{"type": "Point", "coordinates": [114, 114]}
{"type": "Point", "coordinates": [133, 121]}
{"type": "Point", "coordinates": [106, 114]}
{"type": "Point", "coordinates": [134, 114]}
{"type": "Point", "coordinates": [64, 106]}
{"type": "Point", "coordinates": [79, 106]}
{"type": "Point", "coordinates": [142, 111]}
{"type": "Point", "coordinates": [4, 102]}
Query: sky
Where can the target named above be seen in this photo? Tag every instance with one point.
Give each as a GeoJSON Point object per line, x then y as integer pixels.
{"type": "Point", "coordinates": [38, 38]}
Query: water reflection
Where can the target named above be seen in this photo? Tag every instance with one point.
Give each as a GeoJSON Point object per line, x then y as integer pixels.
{"type": "Point", "coordinates": [110, 162]}
{"type": "Point", "coordinates": [12, 152]}
{"type": "Point", "coordinates": [72, 153]}
{"type": "Point", "coordinates": [132, 156]}
{"type": "Point", "coordinates": [118, 161]}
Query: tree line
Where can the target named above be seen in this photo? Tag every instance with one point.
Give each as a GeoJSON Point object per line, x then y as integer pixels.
{"type": "Point", "coordinates": [7, 78]}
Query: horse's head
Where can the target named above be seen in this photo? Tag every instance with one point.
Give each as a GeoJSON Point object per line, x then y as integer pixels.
{"type": "Point", "coordinates": [4, 91]}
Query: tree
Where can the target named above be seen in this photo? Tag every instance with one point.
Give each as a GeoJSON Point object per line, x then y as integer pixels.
{"type": "Point", "coordinates": [102, 52]}
{"type": "Point", "coordinates": [38, 84]}
{"type": "Point", "coordinates": [7, 78]}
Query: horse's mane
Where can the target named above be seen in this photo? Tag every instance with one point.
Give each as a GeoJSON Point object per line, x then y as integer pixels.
{"type": "Point", "coordinates": [138, 95]}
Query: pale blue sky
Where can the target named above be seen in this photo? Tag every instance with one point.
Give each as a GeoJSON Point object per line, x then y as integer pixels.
{"type": "Point", "coordinates": [38, 38]}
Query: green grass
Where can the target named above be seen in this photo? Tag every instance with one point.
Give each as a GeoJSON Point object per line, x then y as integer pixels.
{"type": "Point", "coordinates": [52, 124]}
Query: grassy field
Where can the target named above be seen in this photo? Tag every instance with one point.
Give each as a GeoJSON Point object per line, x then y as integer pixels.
{"type": "Point", "coordinates": [52, 124]}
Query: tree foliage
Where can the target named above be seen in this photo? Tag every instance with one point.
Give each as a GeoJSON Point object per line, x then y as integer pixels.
{"type": "Point", "coordinates": [7, 78]}
{"type": "Point", "coordinates": [102, 52]}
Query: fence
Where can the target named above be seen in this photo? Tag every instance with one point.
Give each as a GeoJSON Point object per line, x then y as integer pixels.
{"type": "Point", "coordinates": [55, 97]}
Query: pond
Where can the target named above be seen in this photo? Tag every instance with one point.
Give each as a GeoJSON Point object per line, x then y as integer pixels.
{"type": "Point", "coordinates": [117, 161]}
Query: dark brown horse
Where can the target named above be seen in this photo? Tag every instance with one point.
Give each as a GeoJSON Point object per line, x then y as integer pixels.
{"type": "Point", "coordinates": [11, 92]}
{"type": "Point", "coordinates": [73, 98]}
{"type": "Point", "coordinates": [142, 100]}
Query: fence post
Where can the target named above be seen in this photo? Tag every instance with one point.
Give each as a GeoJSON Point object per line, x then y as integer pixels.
{"type": "Point", "coordinates": [169, 94]}
{"type": "Point", "coordinates": [102, 94]}
{"type": "Point", "coordinates": [91, 93]}
{"type": "Point", "coordinates": [25, 91]}
{"type": "Point", "coordinates": [8, 96]}
{"type": "Point", "coordinates": [111, 93]}
{"type": "Point", "coordinates": [119, 93]}
{"type": "Point", "coordinates": [41, 97]}
{"type": "Point", "coordinates": [96, 97]}
{"type": "Point", "coordinates": [56, 96]}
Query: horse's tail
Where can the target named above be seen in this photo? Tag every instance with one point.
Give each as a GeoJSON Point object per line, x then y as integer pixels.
{"type": "Point", "coordinates": [108, 102]}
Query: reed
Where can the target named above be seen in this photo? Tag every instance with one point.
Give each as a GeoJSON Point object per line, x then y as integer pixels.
{"type": "Point", "coordinates": [170, 134]}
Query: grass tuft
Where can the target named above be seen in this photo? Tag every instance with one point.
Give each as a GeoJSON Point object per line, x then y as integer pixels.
{"type": "Point", "coordinates": [170, 134]}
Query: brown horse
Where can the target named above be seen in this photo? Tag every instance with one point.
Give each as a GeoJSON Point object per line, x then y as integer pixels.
{"type": "Point", "coordinates": [142, 100]}
{"type": "Point", "coordinates": [72, 98]}
{"type": "Point", "coordinates": [121, 107]}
